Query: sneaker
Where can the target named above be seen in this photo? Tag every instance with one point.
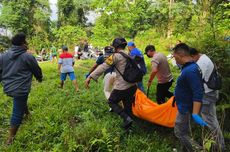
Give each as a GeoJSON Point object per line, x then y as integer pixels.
{"type": "Point", "coordinates": [110, 110]}
{"type": "Point", "coordinates": [174, 150]}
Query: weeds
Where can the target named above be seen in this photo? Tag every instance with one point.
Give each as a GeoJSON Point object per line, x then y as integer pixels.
{"type": "Point", "coordinates": [63, 120]}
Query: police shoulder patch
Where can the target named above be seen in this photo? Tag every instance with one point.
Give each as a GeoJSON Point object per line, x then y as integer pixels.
{"type": "Point", "coordinates": [109, 60]}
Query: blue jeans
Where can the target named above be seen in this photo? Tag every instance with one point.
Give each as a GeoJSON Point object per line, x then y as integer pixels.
{"type": "Point", "coordinates": [19, 109]}
{"type": "Point", "coordinates": [71, 76]}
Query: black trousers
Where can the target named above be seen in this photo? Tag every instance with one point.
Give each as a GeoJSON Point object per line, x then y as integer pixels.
{"type": "Point", "coordinates": [127, 97]}
{"type": "Point", "coordinates": [163, 91]}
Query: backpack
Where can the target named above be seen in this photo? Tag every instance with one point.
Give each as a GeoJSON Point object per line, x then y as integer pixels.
{"type": "Point", "coordinates": [132, 72]}
{"type": "Point", "coordinates": [214, 81]}
{"type": "Point", "coordinates": [140, 63]}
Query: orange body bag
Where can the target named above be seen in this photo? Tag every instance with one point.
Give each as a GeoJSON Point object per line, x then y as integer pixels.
{"type": "Point", "coordinates": [163, 114]}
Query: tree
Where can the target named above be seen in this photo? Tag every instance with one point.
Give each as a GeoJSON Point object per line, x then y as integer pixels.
{"type": "Point", "coordinates": [72, 12]}
{"type": "Point", "coordinates": [69, 35]}
{"type": "Point", "coordinates": [27, 16]}
{"type": "Point", "coordinates": [4, 43]}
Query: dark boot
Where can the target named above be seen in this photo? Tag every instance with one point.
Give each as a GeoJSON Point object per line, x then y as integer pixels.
{"type": "Point", "coordinates": [127, 120]}
{"type": "Point", "coordinates": [13, 131]}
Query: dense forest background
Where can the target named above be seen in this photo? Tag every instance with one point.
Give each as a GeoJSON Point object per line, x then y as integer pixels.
{"type": "Point", "coordinates": [203, 24]}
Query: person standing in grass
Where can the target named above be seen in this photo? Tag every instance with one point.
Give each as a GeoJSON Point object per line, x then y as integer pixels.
{"type": "Point", "coordinates": [188, 96]}
{"type": "Point", "coordinates": [17, 68]}
{"type": "Point", "coordinates": [208, 110]}
{"type": "Point", "coordinates": [109, 75]}
{"type": "Point", "coordinates": [161, 69]}
{"type": "Point", "coordinates": [123, 90]}
{"type": "Point", "coordinates": [65, 67]}
{"type": "Point", "coordinates": [54, 53]}
{"type": "Point", "coordinates": [133, 51]}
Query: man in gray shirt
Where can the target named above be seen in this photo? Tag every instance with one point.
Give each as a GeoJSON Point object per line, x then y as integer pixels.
{"type": "Point", "coordinates": [123, 90]}
{"type": "Point", "coordinates": [160, 68]}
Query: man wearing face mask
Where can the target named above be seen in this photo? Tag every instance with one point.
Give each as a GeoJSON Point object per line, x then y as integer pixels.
{"type": "Point", "coordinates": [17, 68]}
{"type": "Point", "coordinates": [188, 95]}
{"type": "Point", "coordinates": [160, 68]}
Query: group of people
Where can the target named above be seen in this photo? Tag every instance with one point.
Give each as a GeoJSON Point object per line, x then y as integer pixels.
{"type": "Point", "coordinates": [192, 95]}
{"type": "Point", "coordinates": [50, 55]}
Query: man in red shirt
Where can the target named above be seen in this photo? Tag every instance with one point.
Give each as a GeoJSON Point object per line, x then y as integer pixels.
{"type": "Point", "coordinates": [65, 67]}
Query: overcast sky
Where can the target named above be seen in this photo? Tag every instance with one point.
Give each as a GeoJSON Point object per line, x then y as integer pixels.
{"type": "Point", "coordinates": [53, 6]}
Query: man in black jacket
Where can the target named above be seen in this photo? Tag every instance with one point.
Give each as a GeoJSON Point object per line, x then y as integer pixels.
{"type": "Point", "coordinates": [17, 68]}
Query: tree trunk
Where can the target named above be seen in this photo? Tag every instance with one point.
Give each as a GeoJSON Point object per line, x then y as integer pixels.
{"type": "Point", "coordinates": [170, 22]}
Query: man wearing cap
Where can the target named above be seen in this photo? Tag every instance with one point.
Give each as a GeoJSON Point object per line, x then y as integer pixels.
{"type": "Point", "coordinates": [123, 90]}
{"type": "Point", "coordinates": [109, 74]}
{"type": "Point", "coordinates": [160, 68]}
{"type": "Point", "coordinates": [133, 51]}
{"type": "Point", "coordinates": [65, 67]}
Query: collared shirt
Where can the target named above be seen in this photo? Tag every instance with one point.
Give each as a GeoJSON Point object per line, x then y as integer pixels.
{"type": "Point", "coordinates": [189, 87]}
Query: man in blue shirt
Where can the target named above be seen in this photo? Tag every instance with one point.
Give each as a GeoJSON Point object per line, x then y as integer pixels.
{"type": "Point", "coordinates": [188, 95]}
{"type": "Point", "coordinates": [133, 51]}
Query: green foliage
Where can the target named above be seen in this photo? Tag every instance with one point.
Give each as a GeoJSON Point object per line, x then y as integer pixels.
{"type": "Point", "coordinates": [4, 43]}
{"type": "Point", "coordinates": [69, 35]}
{"type": "Point", "coordinates": [121, 18]}
{"type": "Point", "coordinates": [39, 41]}
{"type": "Point", "coordinates": [63, 120]}
{"type": "Point", "coordinates": [29, 17]}
{"type": "Point", "coordinates": [72, 12]}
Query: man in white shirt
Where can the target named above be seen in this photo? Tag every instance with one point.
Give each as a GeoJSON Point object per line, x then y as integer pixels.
{"type": "Point", "coordinates": [208, 110]}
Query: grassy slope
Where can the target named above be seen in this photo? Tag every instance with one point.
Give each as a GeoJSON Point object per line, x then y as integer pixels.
{"type": "Point", "coordinates": [64, 120]}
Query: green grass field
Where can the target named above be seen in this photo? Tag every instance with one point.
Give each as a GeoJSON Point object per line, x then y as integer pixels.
{"type": "Point", "coordinates": [63, 120]}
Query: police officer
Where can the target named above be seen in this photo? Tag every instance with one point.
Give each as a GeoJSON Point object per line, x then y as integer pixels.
{"type": "Point", "coordinates": [123, 90]}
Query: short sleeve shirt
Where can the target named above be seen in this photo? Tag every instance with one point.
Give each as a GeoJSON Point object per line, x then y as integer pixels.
{"type": "Point", "coordinates": [206, 66]}
{"type": "Point", "coordinates": [54, 50]}
{"type": "Point", "coordinates": [164, 74]}
{"type": "Point", "coordinates": [66, 60]}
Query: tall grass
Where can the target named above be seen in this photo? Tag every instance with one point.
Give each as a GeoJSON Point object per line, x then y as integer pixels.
{"type": "Point", "coordinates": [65, 120]}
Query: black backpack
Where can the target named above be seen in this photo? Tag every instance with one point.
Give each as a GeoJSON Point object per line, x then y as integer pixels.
{"type": "Point", "coordinates": [132, 72]}
{"type": "Point", "coordinates": [215, 81]}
